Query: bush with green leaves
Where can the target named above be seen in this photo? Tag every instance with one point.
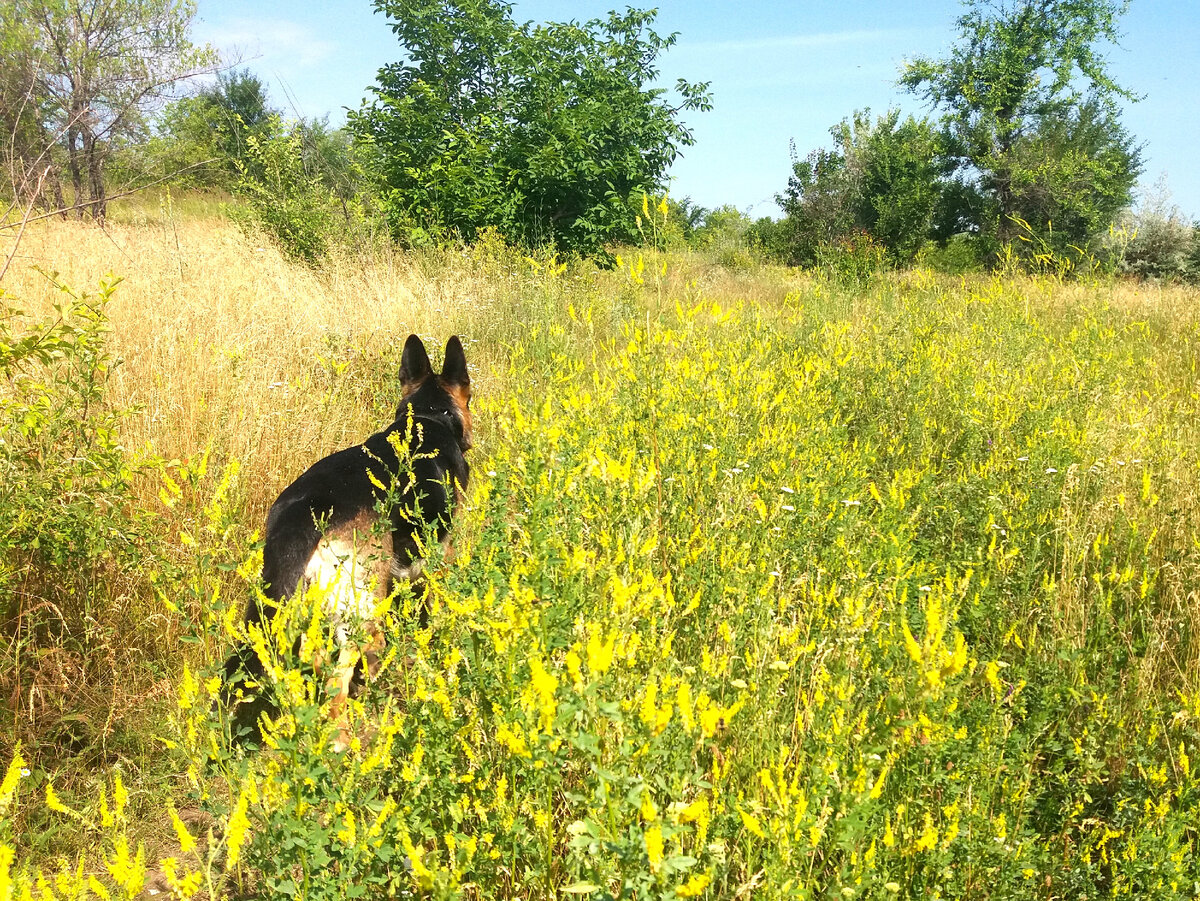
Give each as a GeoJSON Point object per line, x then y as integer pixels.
{"type": "Point", "coordinates": [1155, 240]}
{"type": "Point", "coordinates": [66, 530]}
{"type": "Point", "coordinates": [304, 187]}
{"type": "Point", "coordinates": [545, 132]}
{"type": "Point", "coordinates": [883, 178]}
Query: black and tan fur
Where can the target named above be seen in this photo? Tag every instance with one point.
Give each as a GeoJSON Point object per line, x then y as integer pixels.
{"type": "Point", "coordinates": [335, 526]}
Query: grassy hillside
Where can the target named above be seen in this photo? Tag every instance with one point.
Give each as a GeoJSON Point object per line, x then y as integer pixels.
{"type": "Point", "coordinates": [767, 586]}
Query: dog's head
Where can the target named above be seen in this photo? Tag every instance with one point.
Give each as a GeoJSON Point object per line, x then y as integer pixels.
{"type": "Point", "coordinates": [448, 393]}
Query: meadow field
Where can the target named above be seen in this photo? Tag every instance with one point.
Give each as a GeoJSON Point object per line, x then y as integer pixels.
{"type": "Point", "coordinates": [768, 585]}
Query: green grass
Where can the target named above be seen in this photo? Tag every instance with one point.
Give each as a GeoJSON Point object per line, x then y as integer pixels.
{"type": "Point", "coordinates": [766, 587]}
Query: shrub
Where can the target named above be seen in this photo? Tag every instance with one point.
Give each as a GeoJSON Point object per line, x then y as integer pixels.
{"type": "Point", "coordinates": [305, 188]}
{"type": "Point", "coordinates": [851, 260]}
{"type": "Point", "coordinates": [961, 253]}
{"type": "Point", "coordinates": [1155, 241]}
{"type": "Point", "coordinates": [726, 235]}
{"type": "Point", "coordinates": [65, 528]}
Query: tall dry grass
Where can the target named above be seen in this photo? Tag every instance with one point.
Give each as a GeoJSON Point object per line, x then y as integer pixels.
{"type": "Point", "coordinates": [224, 343]}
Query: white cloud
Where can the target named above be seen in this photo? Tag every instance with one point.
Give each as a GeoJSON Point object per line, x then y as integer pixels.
{"type": "Point", "coordinates": [271, 43]}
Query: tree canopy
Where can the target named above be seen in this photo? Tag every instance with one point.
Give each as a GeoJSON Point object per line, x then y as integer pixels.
{"type": "Point", "coordinates": [1031, 118]}
{"type": "Point", "coordinates": [543, 131]}
{"type": "Point", "coordinates": [87, 73]}
{"type": "Point", "coordinates": [881, 177]}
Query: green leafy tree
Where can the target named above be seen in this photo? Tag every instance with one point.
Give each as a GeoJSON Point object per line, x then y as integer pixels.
{"type": "Point", "coordinates": [1031, 120]}
{"type": "Point", "coordinates": [882, 177]}
{"type": "Point", "coordinates": [206, 135]}
{"type": "Point", "coordinates": [543, 131]}
{"type": "Point", "coordinates": [97, 69]}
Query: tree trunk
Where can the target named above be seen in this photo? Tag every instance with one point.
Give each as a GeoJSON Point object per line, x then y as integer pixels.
{"type": "Point", "coordinates": [98, 203]}
{"type": "Point", "coordinates": [76, 169]}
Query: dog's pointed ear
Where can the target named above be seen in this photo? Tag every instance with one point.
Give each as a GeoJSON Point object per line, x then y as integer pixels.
{"type": "Point", "coordinates": [454, 367]}
{"type": "Point", "coordinates": [414, 364]}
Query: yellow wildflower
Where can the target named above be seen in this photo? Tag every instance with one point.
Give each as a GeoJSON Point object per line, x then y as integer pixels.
{"type": "Point", "coordinates": [239, 825]}
{"type": "Point", "coordinates": [654, 846]}
{"type": "Point", "coordinates": [694, 886]}
{"type": "Point", "coordinates": [186, 842]}
{"type": "Point", "coordinates": [750, 821]}
{"type": "Point", "coordinates": [599, 653]}
{"type": "Point", "coordinates": [929, 836]}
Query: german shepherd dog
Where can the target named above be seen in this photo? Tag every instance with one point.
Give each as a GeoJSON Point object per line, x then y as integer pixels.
{"type": "Point", "coordinates": [354, 524]}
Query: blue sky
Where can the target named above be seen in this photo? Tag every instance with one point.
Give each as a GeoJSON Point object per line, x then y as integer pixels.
{"type": "Point", "coordinates": [780, 72]}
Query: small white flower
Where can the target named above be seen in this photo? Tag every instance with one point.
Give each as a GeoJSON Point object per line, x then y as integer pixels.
{"type": "Point", "coordinates": [852, 503]}
{"type": "Point", "coordinates": [707, 446]}
{"type": "Point", "coordinates": [491, 473]}
{"type": "Point", "coordinates": [1050, 470]}
{"type": "Point", "coordinates": [24, 772]}
{"type": "Point", "coordinates": [1022, 459]}
{"type": "Point", "coordinates": [925, 588]}
{"type": "Point", "coordinates": [776, 573]}
{"type": "Point", "coordinates": [786, 490]}
{"type": "Point", "coordinates": [787, 507]}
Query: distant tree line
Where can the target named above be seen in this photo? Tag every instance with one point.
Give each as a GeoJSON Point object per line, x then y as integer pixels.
{"type": "Point", "coordinates": [552, 133]}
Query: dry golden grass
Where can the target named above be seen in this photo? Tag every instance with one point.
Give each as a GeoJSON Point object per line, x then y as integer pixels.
{"type": "Point", "coordinates": [223, 342]}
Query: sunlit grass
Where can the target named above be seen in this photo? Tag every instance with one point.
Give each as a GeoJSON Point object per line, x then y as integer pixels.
{"type": "Point", "coordinates": [765, 587]}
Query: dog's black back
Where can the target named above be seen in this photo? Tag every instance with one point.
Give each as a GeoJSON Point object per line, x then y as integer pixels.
{"type": "Point", "coordinates": [368, 490]}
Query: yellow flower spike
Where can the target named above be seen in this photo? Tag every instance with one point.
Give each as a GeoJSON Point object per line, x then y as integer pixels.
{"type": "Point", "coordinates": [574, 669]}
{"type": "Point", "coordinates": [645, 205]}
{"type": "Point", "coordinates": [653, 839]}
{"type": "Point", "coordinates": [128, 872]}
{"type": "Point", "coordinates": [910, 644]}
{"type": "Point", "coordinates": [649, 812]}
{"type": "Point", "coordinates": [695, 886]}
{"type": "Point", "coordinates": [187, 843]}
{"type": "Point", "coordinates": [600, 653]}
{"type": "Point", "coordinates": [546, 686]}
{"type": "Point", "coordinates": [752, 824]}
{"type": "Point", "coordinates": [189, 688]}
{"type": "Point", "coordinates": [7, 855]}
{"type": "Point", "coordinates": [53, 802]}
{"type": "Point", "coordinates": [12, 777]}
{"type": "Point", "coordinates": [929, 836]}
{"type": "Point", "coordinates": [698, 809]}
{"type": "Point", "coordinates": [348, 834]}
{"type": "Point", "coordinates": [239, 825]}
{"type": "Point", "coordinates": [120, 797]}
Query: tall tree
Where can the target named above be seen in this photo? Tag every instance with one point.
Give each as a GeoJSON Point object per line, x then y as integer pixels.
{"type": "Point", "coordinates": [1030, 115]}
{"type": "Point", "coordinates": [94, 69]}
{"type": "Point", "coordinates": [544, 131]}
